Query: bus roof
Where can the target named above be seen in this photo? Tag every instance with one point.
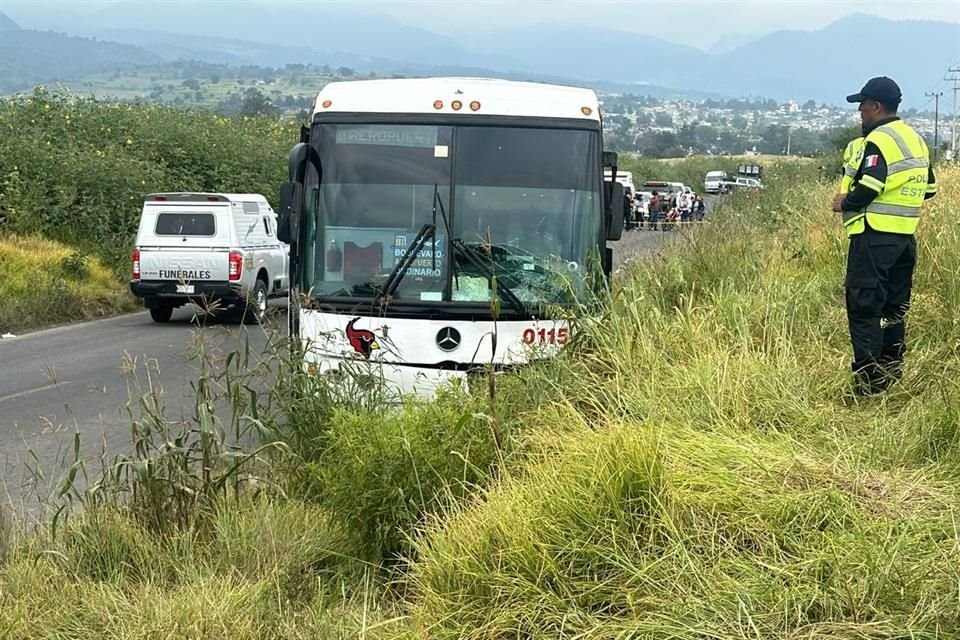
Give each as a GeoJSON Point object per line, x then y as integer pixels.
{"type": "Point", "coordinates": [437, 95]}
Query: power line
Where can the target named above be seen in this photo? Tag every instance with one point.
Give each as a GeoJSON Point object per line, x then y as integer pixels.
{"type": "Point", "coordinates": [936, 120]}
{"type": "Point", "coordinates": [923, 107]}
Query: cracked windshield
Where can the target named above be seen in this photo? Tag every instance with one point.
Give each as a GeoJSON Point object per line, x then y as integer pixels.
{"type": "Point", "coordinates": [524, 220]}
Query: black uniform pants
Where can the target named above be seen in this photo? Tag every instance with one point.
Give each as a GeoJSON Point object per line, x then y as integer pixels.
{"type": "Point", "coordinates": [878, 283]}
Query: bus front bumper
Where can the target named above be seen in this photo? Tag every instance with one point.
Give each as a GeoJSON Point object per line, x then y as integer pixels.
{"type": "Point", "coordinates": [392, 380]}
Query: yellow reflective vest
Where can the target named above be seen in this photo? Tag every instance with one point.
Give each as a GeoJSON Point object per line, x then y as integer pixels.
{"type": "Point", "coordinates": [896, 209]}
{"type": "Point", "coordinates": [852, 156]}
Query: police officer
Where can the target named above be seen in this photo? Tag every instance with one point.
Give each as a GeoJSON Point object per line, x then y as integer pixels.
{"type": "Point", "coordinates": [880, 214]}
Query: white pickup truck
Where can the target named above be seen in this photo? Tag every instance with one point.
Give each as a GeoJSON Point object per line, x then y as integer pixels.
{"type": "Point", "coordinates": [218, 250]}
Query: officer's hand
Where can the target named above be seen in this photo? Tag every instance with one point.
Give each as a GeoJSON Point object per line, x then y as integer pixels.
{"type": "Point", "coordinates": [837, 202]}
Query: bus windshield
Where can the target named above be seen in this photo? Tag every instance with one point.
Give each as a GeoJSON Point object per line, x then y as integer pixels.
{"type": "Point", "coordinates": [522, 204]}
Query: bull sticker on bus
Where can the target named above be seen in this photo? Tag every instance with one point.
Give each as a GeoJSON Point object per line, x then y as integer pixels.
{"type": "Point", "coordinates": [427, 262]}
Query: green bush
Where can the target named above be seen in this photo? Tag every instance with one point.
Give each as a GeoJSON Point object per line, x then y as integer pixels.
{"type": "Point", "coordinates": [76, 170]}
{"type": "Point", "coordinates": [384, 472]}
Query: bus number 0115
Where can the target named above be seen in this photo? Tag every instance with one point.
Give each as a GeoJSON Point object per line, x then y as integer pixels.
{"type": "Point", "coordinates": [545, 336]}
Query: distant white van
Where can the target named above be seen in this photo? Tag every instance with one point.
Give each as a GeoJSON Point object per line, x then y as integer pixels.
{"type": "Point", "coordinates": [714, 181]}
{"type": "Point", "coordinates": [206, 247]}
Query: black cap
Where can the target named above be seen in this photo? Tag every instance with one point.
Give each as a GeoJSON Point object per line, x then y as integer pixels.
{"type": "Point", "coordinates": [881, 89]}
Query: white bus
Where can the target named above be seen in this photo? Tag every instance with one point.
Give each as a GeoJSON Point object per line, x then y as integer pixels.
{"type": "Point", "coordinates": [426, 216]}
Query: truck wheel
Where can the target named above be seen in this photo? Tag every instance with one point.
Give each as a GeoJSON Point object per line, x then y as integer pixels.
{"type": "Point", "coordinates": [161, 313]}
{"type": "Point", "coordinates": [256, 307]}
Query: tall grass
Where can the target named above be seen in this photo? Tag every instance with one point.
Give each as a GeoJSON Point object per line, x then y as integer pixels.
{"type": "Point", "coordinates": [45, 282]}
{"type": "Point", "coordinates": [709, 474]}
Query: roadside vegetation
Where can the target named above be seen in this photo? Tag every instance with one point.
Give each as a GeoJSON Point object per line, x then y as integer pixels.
{"type": "Point", "coordinates": [75, 170]}
{"type": "Point", "coordinates": [45, 282]}
{"type": "Point", "coordinates": [692, 466]}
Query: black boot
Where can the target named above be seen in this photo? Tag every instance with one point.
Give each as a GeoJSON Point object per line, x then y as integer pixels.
{"type": "Point", "coordinates": [891, 363]}
{"type": "Point", "coordinates": [869, 378]}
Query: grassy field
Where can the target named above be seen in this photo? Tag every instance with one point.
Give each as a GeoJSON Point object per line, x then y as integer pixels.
{"type": "Point", "coordinates": [205, 86]}
{"type": "Point", "coordinates": [45, 282]}
{"type": "Point", "coordinates": [692, 466]}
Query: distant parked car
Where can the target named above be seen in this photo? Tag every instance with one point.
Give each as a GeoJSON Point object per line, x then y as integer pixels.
{"type": "Point", "coordinates": [744, 184]}
{"type": "Point", "coordinates": [713, 182]}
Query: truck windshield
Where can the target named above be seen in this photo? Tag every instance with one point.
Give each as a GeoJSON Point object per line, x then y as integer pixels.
{"type": "Point", "coordinates": [526, 205]}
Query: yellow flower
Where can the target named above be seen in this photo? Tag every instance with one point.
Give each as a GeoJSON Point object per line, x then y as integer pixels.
{"type": "Point", "coordinates": [129, 141]}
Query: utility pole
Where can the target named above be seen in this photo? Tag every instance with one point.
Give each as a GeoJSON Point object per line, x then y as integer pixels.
{"type": "Point", "coordinates": [953, 75]}
{"type": "Point", "coordinates": [936, 120]}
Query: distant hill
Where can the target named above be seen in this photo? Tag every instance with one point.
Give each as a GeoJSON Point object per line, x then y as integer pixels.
{"type": "Point", "coordinates": [324, 31]}
{"type": "Point", "coordinates": [784, 65]}
{"type": "Point", "coordinates": [212, 49]}
{"type": "Point", "coordinates": [591, 53]}
{"type": "Point", "coordinates": [804, 64]}
{"type": "Point", "coordinates": [31, 57]}
{"type": "Point", "coordinates": [6, 24]}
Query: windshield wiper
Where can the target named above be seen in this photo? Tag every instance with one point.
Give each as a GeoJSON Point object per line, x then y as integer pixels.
{"type": "Point", "coordinates": [476, 259]}
{"type": "Point", "coordinates": [403, 264]}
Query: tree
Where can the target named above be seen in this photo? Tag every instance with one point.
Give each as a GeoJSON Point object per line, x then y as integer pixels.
{"type": "Point", "coordinates": [663, 119]}
{"type": "Point", "coordinates": [839, 138]}
{"type": "Point", "coordinates": [256, 104]}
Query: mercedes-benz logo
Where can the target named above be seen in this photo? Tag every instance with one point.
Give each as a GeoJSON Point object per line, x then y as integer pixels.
{"type": "Point", "coordinates": [448, 339]}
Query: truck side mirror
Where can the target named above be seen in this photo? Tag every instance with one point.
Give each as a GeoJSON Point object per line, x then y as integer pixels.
{"type": "Point", "coordinates": [616, 210]}
{"type": "Point", "coordinates": [288, 217]}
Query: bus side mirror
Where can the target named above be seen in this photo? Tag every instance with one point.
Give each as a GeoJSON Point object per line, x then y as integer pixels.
{"type": "Point", "coordinates": [288, 217]}
{"type": "Point", "coordinates": [616, 210]}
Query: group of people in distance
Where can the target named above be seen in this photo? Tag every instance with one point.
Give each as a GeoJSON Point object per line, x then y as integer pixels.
{"type": "Point", "coordinates": [665, 208]}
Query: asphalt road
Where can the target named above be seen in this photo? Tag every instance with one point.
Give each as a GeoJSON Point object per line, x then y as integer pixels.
{"type": "Point", "coordinates": [75, 379]}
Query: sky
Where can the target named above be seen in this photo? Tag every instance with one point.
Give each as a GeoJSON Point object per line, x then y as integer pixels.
{"type": "Point", "coordinates": [692, 22]}
{"type": "Point", "coordinates": [696, 23]}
